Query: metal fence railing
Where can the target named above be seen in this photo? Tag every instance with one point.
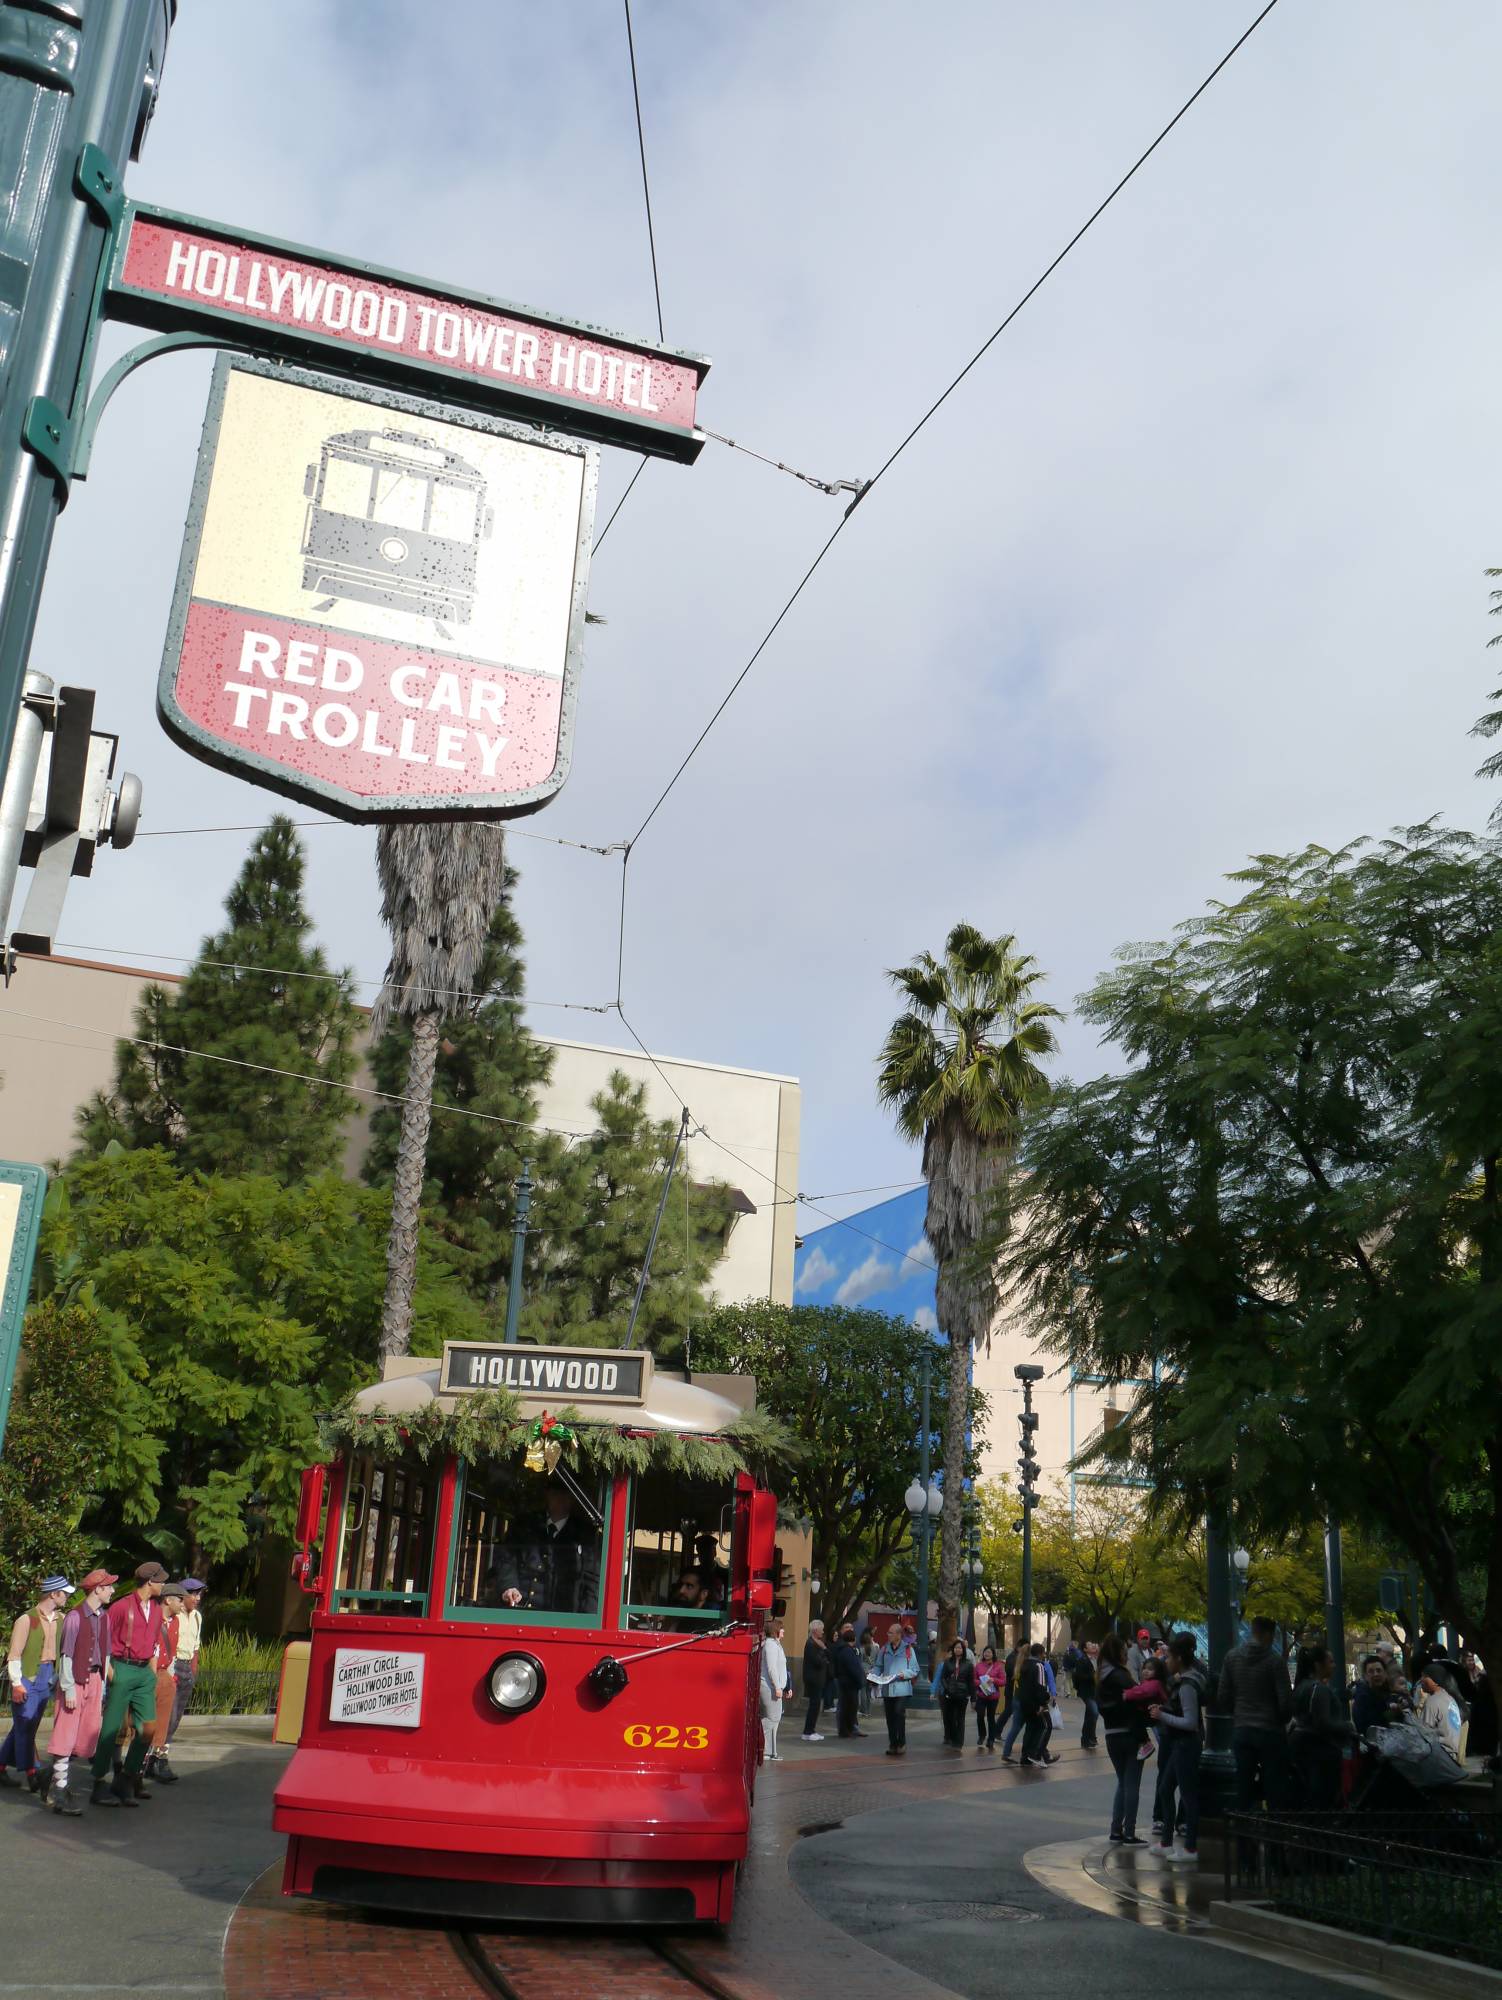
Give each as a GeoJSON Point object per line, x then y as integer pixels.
{"type": "Point", "coordinates": [1430, 1879]}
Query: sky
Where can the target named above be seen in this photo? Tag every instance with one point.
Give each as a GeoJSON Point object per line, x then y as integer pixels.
{"type": "Point", "coordinates": [1190, 567]}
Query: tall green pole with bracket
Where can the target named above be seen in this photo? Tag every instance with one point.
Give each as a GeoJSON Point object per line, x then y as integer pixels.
{"type": "Point", "coordinates": [78, 80]}
{"type": "Point", "coordinates": [22, 1189]}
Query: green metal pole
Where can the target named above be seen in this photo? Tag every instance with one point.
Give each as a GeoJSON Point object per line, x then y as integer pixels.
{"type": "Point", "coordinates": [1335, 1609]}
{"type": "Point", "coordinates": [77, 84]}
{"type": "Point", "coordinates": [518, 1252]}
{"type": "Point", "coordinates": [925, 1652]}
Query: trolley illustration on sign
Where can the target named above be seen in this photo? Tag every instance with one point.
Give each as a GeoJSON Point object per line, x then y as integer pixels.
{"type": "Point", "coordinates": [395, 521]}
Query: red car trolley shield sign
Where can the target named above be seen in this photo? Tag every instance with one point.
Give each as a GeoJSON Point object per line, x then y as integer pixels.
{"type": "Point", "coordinates": [380, 603]}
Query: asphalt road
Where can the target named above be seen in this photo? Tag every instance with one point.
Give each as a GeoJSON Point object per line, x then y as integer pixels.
{"type": "Point", "coordinates": [940, 1887]}
{"type": "Point", "coordinates": [137, 1902]}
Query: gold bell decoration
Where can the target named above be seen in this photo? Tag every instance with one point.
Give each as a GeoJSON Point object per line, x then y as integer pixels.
{"type": "Point", "coordinates": [545, 1443]}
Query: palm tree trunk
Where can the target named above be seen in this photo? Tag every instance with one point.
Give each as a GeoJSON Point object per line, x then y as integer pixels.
{"type": "Point", "coordinates": [951, 1527]}
{"type": "Point", "coordinates": [406, 1188]}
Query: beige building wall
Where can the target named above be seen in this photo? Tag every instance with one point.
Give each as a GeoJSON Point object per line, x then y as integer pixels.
{"type": "Point", "coordinates": [60, 1018]}
{"type": "Point", "coordinates": [1070, 1411]}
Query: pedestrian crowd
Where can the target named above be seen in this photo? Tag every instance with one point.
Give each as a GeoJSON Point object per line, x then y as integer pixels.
{"type": "Point", "coordinates": [118, 1676]}
{"type": "Point", "coordinates": [1291, 1733]}
{"type": "Point", "coordinates": [1010, 1698]}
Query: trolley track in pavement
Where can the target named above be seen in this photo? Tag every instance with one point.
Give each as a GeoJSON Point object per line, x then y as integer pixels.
{"type": "Point", "coordinates": [512, 1965]}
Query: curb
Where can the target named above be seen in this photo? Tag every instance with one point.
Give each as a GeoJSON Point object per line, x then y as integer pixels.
{"type": "Point", "coordinates": [235, 1728]}
{"type": "Point", "coordinates": [1423, 1972]}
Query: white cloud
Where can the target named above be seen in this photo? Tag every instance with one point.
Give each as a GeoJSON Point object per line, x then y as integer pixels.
{"type": "Point", "coordinates": [816, 1271]}
{"type": "Point", "coordinates": [921, 1252]}
{"type": "Point", "coordinates": [926, 1320]}
{"type": "Point", "coordinates": [865, 1280]}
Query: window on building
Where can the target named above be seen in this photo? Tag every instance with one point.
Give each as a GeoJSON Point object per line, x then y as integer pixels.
{"type": "Point", "coordinates": [386, 1561]}
{"type": "Point", "coordinates": [530, 1543]}
{"type": "Point", "coordinates": [679, 1552]}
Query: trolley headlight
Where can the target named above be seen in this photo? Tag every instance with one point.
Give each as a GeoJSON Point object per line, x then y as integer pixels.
{"type": "Point", "coordinates": [516, 1683]}
{"type": "Point", "coordinates": [394, 549]}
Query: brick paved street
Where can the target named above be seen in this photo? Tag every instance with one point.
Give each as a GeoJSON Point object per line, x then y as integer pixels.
{"type": "Point", "coordinates": [856, 1862]}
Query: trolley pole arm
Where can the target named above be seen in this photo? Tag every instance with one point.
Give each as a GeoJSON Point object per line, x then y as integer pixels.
{"type": "Point", "coordinates": [641, 1283]}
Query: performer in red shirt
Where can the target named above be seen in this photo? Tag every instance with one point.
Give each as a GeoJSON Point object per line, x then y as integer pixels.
{"type": "Point", "coordinates": [135, 1624]}
{"type": "Point", "coordinates": [166, 1684]}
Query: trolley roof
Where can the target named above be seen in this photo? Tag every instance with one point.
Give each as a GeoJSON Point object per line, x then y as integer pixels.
{"type": "Point", "coordinates": [699, 1406]}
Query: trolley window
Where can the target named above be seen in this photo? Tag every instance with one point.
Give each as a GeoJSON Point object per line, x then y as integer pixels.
{"type": "Point", "coordinates": [401, 499]}
{"type": "Point", "coordinates": [454, 509]}
{"type": "Point", "coordinates": [679, 1552]}
{"type": "Point", "coordinates": [529, 1547]}
{"type": "Point", "coordinates": [386, 1555]}
{"type": "Point", "coordinates": [346, 486]}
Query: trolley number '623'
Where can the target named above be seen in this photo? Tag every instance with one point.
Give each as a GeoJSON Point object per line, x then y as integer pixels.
{"type": "Point", "coordinates": [666, 1736]}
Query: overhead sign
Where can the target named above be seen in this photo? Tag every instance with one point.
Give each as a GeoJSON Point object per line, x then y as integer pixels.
{"type": "Point", "coordinates": [173, 271]}
{"type": "Point", "coordinates": [22, 1188]}
{"type": "Point", "coordinates": [582, 1374]}
{"type": "Point", "coordinates": [379, 609]}
{"type": "Point", "coordinates": [382, 1688]}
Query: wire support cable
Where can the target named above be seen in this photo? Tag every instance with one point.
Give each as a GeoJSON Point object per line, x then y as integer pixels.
{"type": "Point", "coordinates": [350, 825]}
{"type": "Point", "coordinates": [456, 993]}
{"type": "Point", "coordinates": [855, 486]}
{"type": "Point", "coordinates": [270, 1069]}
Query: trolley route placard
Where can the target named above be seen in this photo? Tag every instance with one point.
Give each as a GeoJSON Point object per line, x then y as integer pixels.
{"type": "Point", "coordinates": [174, 272]}
{"type": "Point", "coordinates": [380, 601]}
{"type": "Point", "coordinates": [383, 1688]}
{"type": "Point", "coordinates": [581, 1373]}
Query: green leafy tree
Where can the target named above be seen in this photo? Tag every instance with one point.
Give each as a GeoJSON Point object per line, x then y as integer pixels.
{"type": "Point", "coordinates": [958, 1069]}
{"type": "Point", "coordinates": [594, 1212]}
{"type": "Point", "coordinates": [847, 1383]}
{"type": "Point", "coordinates": [235, 1309]}
{"type": "Point", "coordinates": [440, 885]}
{"type": "Point", "coordinates": [260, 994]}
{"type": "Point", "coordinates": [486, 1063]}
{"type": "Point", "coordinates": [1286, 1216]}
{"type": "Point", "coordinates": [56, 1445]}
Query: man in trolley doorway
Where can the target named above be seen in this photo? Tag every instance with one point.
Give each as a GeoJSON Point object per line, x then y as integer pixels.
{"type": "Point", "coordinates": [552, 1564]}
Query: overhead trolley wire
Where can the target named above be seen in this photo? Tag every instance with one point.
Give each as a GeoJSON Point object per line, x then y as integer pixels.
{"type": "Point", "coordinates": [940, 400]}
{"type": "Point", "coordinates": [646, 190]}
{"type": "Point", "coordinates": [861, 491]}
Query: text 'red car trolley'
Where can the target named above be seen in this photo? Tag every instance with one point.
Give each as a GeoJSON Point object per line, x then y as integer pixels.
{"type": "Point", "coordinates": [532, 1675]}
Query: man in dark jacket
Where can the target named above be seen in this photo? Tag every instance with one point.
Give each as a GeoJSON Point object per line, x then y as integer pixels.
{"type": "Point", "coordinates": [1255, 1689]}
{"type": "Point", "coordinates": [1084, 1687]}
{"type": "Point", "coordinates": [850, 1678]}
{"type": "Point", "coordinates": [1032, 1697]}
{"type": "Point", "coordinates": [552, 1564]}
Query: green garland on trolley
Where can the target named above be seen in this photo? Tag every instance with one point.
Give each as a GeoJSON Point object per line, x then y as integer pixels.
{"type": "Point", "coordinates": [491, 1425]}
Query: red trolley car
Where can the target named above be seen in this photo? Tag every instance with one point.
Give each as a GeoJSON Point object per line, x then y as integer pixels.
{"type": "Point", "coordinates": [532, 1677]}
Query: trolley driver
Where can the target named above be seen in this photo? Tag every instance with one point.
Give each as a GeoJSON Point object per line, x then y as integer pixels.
{"type": "Point", "coordinates": [551, 1563]}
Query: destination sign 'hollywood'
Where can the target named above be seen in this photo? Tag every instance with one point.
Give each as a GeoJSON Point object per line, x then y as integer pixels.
{"type": "Point", "coordinates": [583, 1374]}
{"type": "Point", "coordinates": [173, 270]}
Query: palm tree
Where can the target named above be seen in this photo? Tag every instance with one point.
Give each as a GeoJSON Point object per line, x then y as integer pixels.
{"type": "Point", "coordinates": [440, 884]}
{"type": "Point", "coordinates": [958, 1068]}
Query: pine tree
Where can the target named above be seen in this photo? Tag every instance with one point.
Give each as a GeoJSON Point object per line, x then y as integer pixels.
{"type": "Point", "coordinates": [487, 1062]}
{"type": "Point", "coordinates": [594, 1212]}
{"type": "Point", "coordinates": [260, 993]}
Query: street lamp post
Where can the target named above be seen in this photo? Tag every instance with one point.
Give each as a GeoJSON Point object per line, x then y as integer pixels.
{"type": "Point", "coordinates": [1027, 1373]}
{"type": "Point", "coordinates": [924, 1502]}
